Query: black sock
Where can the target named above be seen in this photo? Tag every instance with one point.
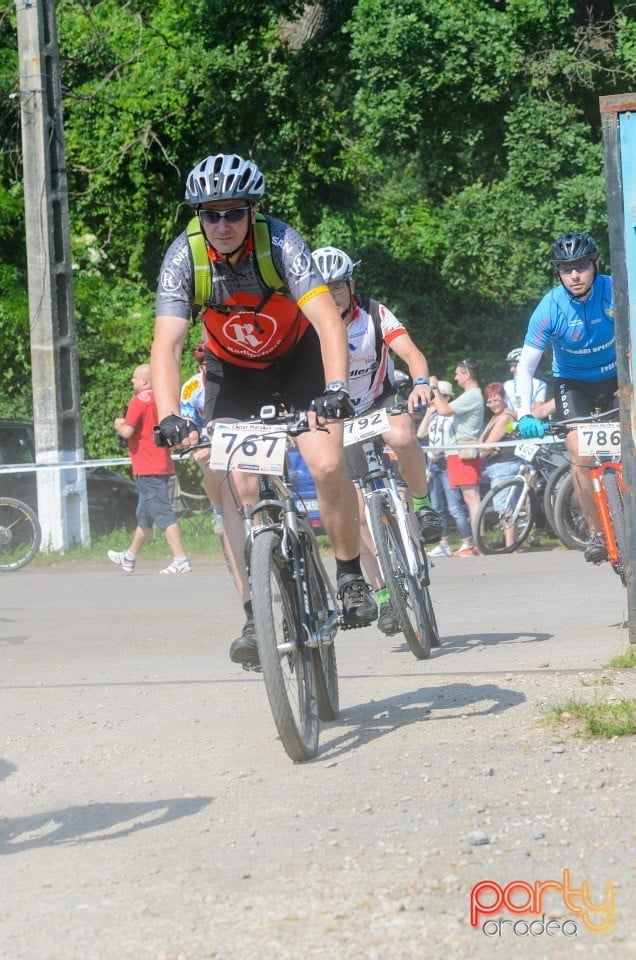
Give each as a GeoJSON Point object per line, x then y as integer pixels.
{"type": "Point", "coordinates": [249, 613]}
{"type": "Point", "coordinates": [348, 566]}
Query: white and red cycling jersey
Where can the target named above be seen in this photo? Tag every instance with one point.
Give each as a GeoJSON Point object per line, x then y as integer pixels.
{"type": "Point", "coordinates": [370, 334]}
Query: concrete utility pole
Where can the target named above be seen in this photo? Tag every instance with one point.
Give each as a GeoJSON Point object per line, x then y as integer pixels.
{"type": "Point", "coordinates": [62, 506]}
{"type": "Point", "coordinates": [618, 115]}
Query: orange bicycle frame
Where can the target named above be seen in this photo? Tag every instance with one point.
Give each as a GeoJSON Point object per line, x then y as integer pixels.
{"type": "Point", "coordinates": [600, 499]}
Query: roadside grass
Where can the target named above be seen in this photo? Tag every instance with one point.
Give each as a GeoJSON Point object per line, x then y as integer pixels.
{"type": "Point", "coordinates": [625, 659]}
{"type": "Point", "coordinates": [196, 544]}
{"type": "Point", "coordinates": [598, 719]}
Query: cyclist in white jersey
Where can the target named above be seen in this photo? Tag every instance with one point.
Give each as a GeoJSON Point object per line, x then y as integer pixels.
{"type": "Point", "coordinates": [373, 332]}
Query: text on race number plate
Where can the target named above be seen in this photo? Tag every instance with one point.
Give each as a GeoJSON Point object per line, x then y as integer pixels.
{"type": "Point", "coordinates": [250, 447]}
{"type": "Point", "coordinates": [364, 427]}
{"type": "Point", "coordinates": [526, 451]}
{"type": "Point", "coordinates": [599, 438]}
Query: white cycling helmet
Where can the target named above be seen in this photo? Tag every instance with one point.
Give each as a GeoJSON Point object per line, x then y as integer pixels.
{"type": "Point", "coordinates": [224, 177]}
{"type": "Point", "coordinates": [514, 356]}
{"type": "Point", "coordinates": [333, 264]}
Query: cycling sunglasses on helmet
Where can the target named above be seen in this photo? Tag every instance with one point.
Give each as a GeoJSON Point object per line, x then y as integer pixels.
{"type": "Point", "coordinates": [233, 215]}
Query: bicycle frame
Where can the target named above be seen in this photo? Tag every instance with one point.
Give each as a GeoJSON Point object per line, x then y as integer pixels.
{"type": "Point", "coordinates": [315, 626]}
{"type": "Point", "coordinates": [383, 480]}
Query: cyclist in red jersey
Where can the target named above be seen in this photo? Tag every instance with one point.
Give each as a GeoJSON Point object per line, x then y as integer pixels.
{"type": "Point", "coordinates": [260, 343]}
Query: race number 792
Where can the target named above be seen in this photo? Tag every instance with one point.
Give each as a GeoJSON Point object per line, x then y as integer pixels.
{"type": "Point", "coordinates": [599, 439]}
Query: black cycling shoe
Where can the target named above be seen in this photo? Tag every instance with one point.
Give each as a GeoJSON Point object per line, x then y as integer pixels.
{"type": "Point", "coordinates": [244, 649]}
{"type": "Point", "coordinates": [359, 609]}
{"type": "Point", "coordinates": [387, 621]}
{"type": "Point", "coordinates": [596, 551]}
{"type": "Point", "coordinates": [431, 525]}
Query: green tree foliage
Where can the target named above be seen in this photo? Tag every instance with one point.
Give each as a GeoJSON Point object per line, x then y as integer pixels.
{"type": "Point", "coordinates": [442, 144]}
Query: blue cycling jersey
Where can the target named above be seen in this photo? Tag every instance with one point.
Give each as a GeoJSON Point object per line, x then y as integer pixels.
{"type": "Point", "coordinates": [581, 333]}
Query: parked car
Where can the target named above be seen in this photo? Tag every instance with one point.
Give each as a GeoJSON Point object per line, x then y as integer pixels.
{"type": "Point", "coordinates": [112, 497]}
{"type": "Point", "coordinates": [303, 487]}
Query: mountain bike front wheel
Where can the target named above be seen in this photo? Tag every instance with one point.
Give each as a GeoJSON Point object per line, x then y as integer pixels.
{"type": "Point", "coordinates": [20, 534]}
{"type": "Point", "coordinates": [502, 529]}
{"type": "Point", "coordinates": [616, 509]}
{"type": "Point", "coordinates": [407, 594]}
{"type": "Point", "coordinates": [286, 662]}
{"type": "Point", "coordinates": [324, 655]}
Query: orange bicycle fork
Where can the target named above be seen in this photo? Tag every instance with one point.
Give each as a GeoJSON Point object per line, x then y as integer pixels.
{"type": "Point", "coordinates": [600, 499]}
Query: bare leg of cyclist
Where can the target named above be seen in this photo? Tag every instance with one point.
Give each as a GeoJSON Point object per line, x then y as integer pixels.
{"type": "Point", "coordinates": [324, 455]}
{"type": "Point", "coordinates": [411, 459]}
{"type": "Point", "coordinates": [368, 558]}
{"type": "Point", "coordinates": [245, 489]}
{"type": "Point", "coordinates": [583, 483]}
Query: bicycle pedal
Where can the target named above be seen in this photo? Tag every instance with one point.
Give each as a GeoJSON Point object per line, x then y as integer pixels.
{"type": "Point", "coordinates": [353, 626]}
{"type": "Point", "coordinates": [252, 666]}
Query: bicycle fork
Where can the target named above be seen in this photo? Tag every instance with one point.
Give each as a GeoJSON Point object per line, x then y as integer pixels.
{"type": "Point", "coordinates": [600, 500]}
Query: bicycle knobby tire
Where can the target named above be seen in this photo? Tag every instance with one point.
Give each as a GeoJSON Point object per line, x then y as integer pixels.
{"type": "Point", "coordinates": [616, 509]}
{"type": "Point", "coordinates": [324, 655]}
{"type": "Point", "coordinates": [411, 601]}
{"type": "Point", "coordinates": [491, 526]}
{"type": "Point", "coordinates": [287, 664]}
{"type": "Point", "coordinates": [20, 534]}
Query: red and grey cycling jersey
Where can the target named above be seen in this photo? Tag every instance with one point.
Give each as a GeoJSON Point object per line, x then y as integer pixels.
{"type": "Point", "coordinates": [247, 324]}
{"type": "Point", "coordinates": [370, 334]}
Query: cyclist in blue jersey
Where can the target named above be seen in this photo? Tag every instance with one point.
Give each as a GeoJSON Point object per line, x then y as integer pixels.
{"type": "Point", "coordinates": [577, 319]}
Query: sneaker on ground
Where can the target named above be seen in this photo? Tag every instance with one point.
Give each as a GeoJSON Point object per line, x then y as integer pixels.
{"type": "Point", "coordinates": [431, 525]}
{"type": "Point", "coordinates": [128, 566]}
{"type": "Point", "coordinates": [387, 620]}
{"type": "Point", "coordinates": [468, 550]}
{"type": "Point", "coordinates": [183, 566]}
{"type": "Point", "coordinates": [358, 606]}
{"type": "Point", "coordinates": [596, 551]}
{"type": "Point", "coordinates": [244, 649]}
{"type": "Point", "coordinates": [441, 550]}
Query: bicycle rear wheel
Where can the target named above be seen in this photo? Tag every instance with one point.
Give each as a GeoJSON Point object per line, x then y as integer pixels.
{"type": "Point", "coordinates": [505, 529]}
{"type": "Point", "coordinates": [286, 662]}
{"type": "Point", "coordinates": [20, 534]}
{"type": "Point", "coordinates": [410, 599]}
{"type": "Point", "coordinates": [616, 509]}
{"type": "Point", "coordinates": [571, 525]}
{"type": "Point", "coordinates": [324, 655]}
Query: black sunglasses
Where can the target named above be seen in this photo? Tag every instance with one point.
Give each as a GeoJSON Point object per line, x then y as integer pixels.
{"type": "Point", "coordinates": [233, 215]}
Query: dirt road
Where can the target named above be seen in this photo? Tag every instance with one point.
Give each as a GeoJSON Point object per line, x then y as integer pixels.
{"type": "Point", "coordinates": [149, 812]}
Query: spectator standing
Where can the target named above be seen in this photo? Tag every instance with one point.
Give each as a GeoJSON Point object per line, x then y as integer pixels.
{"type": "Point", "coordinates": [499, 462]}
{"type": "Point", "coordinates": [464, 467]}
{"type": "Point", "coordinates": [511, 389]}
{"type": "Point", "coordinates": [151, 468]}
{"type": "Point", "coordinates": [447, 500]}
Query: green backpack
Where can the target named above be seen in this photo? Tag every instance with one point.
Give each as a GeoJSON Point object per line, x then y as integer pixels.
{"type": "Point", "coordinates": [203, 267]}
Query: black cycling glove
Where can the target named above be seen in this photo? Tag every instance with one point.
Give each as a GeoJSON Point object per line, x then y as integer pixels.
{"type": "Point", "coordinates": [333, 405]}
{"type": "Point", "coordinates": [173, 430]}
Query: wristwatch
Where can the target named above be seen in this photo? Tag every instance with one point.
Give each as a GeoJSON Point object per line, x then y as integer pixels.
{"type": "Point", "coordinates": [337, 385]}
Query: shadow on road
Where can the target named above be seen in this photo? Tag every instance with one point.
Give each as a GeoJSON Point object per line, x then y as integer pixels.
{"type": "Point", "coordinates": [368, 721]}
{"type": "Point", "coordinates": [468, 641]}
{"type": "Point", "coordinates": [92, 823]}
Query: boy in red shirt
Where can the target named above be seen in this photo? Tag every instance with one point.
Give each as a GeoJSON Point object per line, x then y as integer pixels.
{"type": "Point", "coordinates": [151, 466]}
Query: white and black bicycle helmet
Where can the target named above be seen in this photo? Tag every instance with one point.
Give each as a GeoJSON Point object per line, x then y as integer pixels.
{"type": "Point", "coordinates": [514, 356]}
{"type": "Point", "coordinates": [225, 176]}
{"type": "Point", "coordinates": [333, 264]}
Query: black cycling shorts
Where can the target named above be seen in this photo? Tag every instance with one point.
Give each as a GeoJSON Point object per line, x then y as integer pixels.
{"type": "Point", "coordinates": [355, 460]}
{"type": "Point", "coordinates": [238, 393]}
{"type": "Point", "coordinates": [575, 399]}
